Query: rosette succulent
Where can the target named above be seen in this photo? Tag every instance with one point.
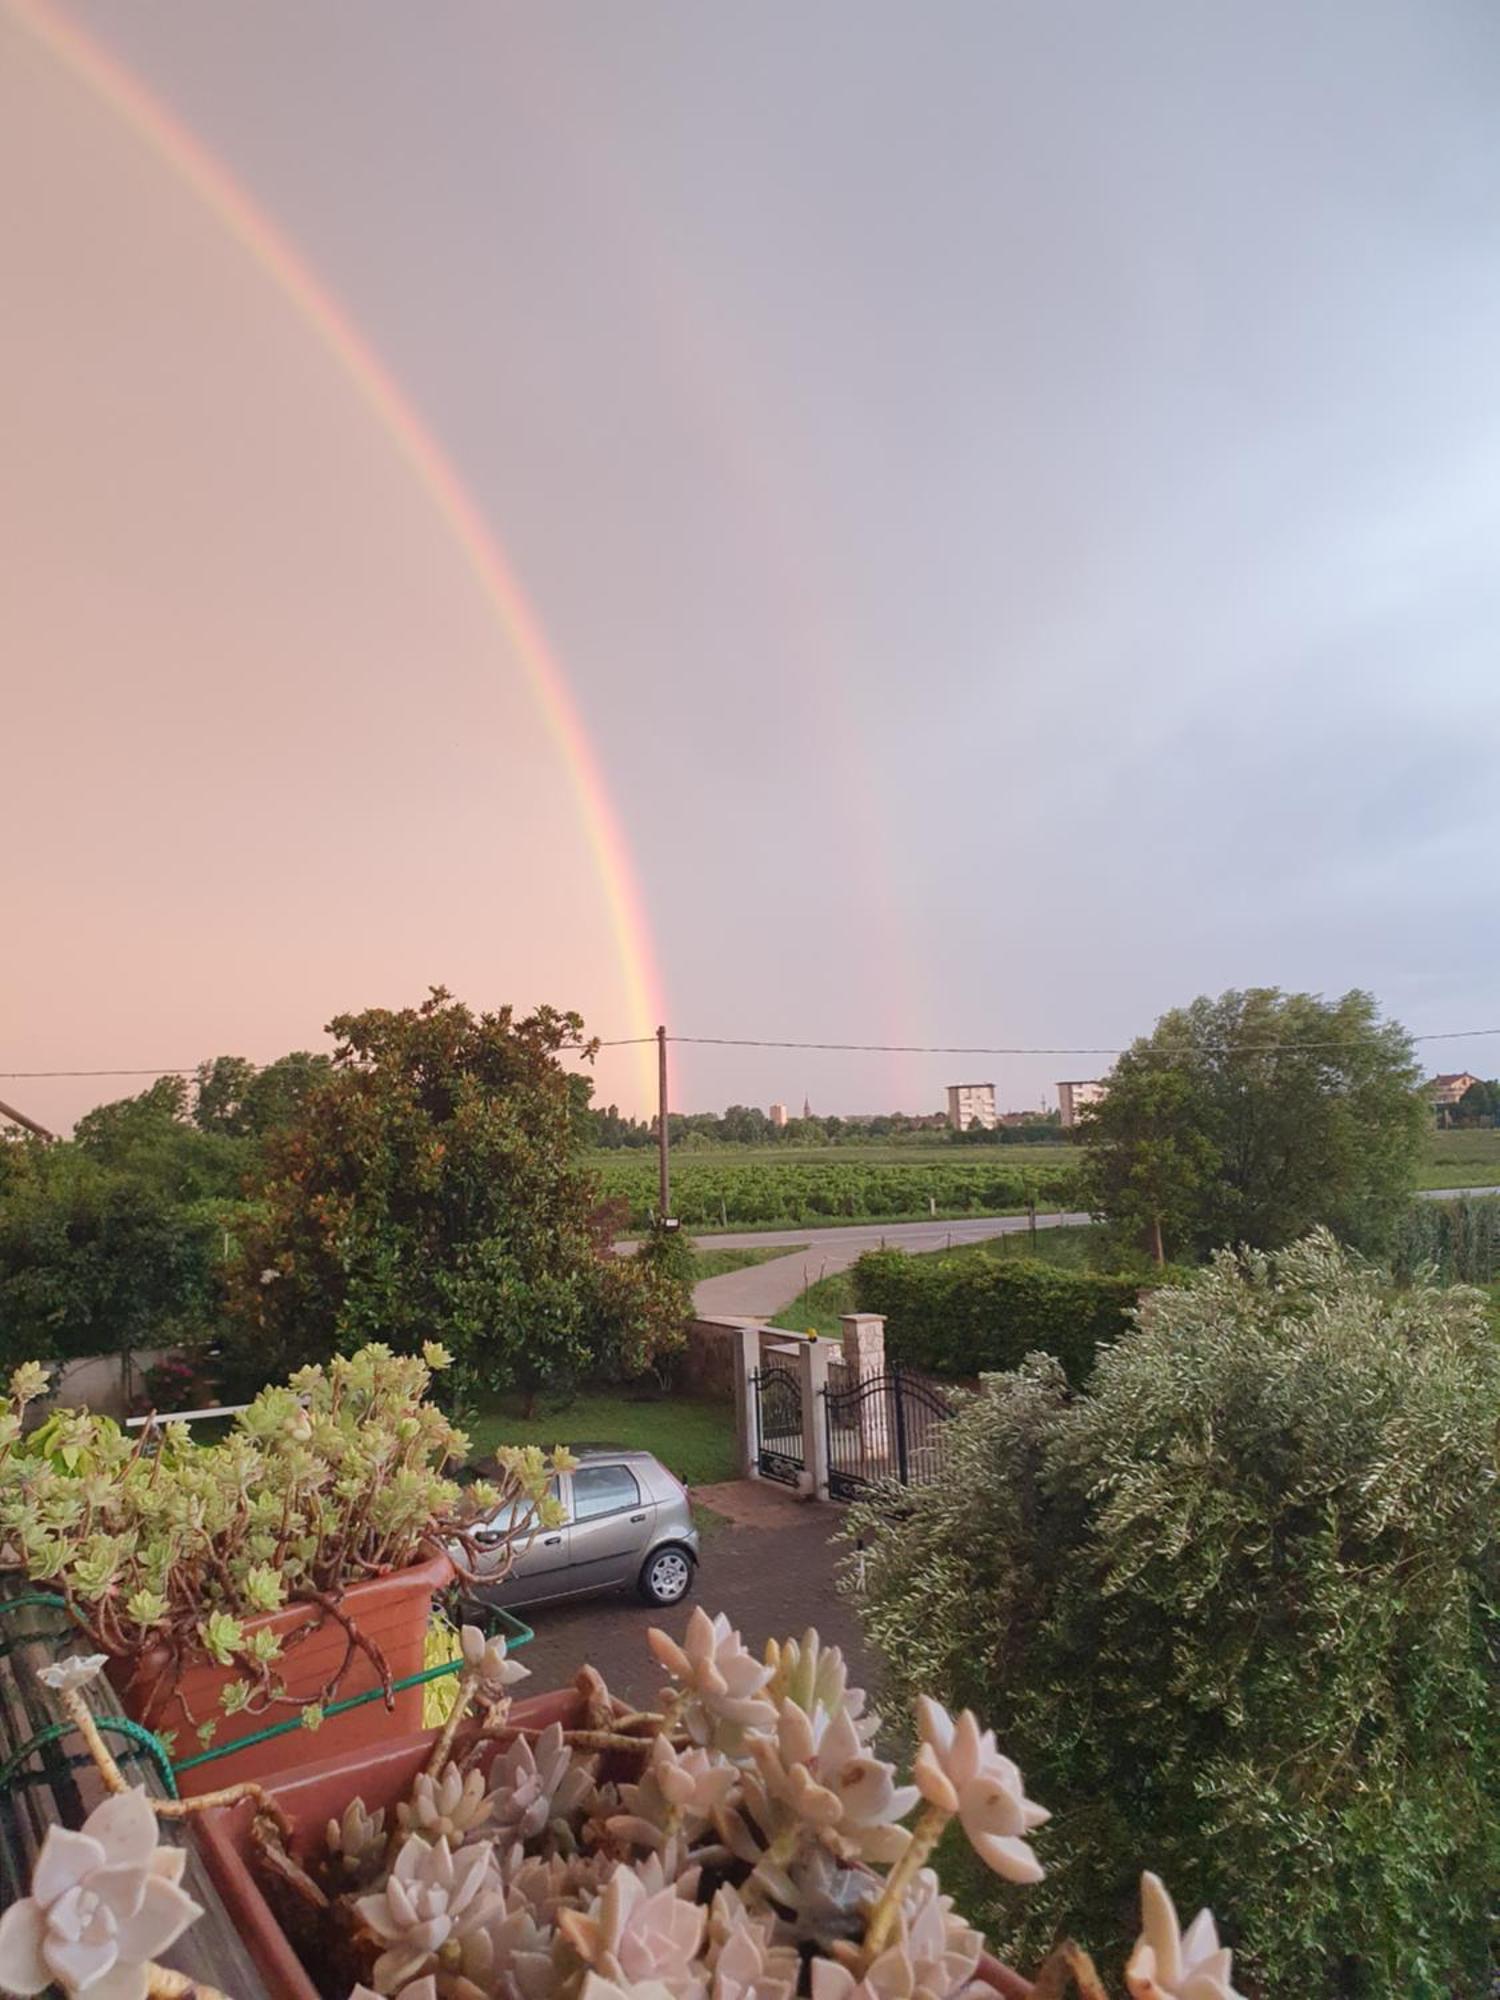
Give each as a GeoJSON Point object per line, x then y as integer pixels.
{"type": "Point", "coordinates": [1169, 1963]}
{"type": "Point", "coordinates": [718, 1680]}
{"type": "Point", "coordinates": [432, 1912]}
{"type": "Point", "coordinates": [104, 1902]}
{"type": "Point", "coordinates": [959, 1770]}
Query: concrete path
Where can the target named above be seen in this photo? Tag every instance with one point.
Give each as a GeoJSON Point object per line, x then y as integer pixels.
{"type": "Point", "coordinates": [762, 1289]}
{"type": "Point", "coordinates": [1430, 1194]}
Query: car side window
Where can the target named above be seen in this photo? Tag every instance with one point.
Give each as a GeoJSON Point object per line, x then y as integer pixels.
{"type": "Point", "coordinates": [603, 1489]}
{"type": "Point", "coordinates": [513, 1514]}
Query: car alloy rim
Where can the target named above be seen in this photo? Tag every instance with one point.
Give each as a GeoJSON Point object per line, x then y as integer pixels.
{"type": "Point", "coordinates": [670, 1575]}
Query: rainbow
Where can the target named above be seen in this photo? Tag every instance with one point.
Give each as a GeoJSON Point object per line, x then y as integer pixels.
{"type": "Point", "coordinates": [211, 183]}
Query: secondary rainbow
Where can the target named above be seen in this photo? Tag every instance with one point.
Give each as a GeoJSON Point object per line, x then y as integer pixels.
{"type": "Point", "coordinates": [185, 156]}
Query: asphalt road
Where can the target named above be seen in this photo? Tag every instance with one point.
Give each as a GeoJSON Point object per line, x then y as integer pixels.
{"type": "Point", "coordinates": [766, 1288]}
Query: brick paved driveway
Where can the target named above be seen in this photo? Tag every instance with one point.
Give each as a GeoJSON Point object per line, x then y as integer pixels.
{"type": "Point", "coordinates": [771, 1571]}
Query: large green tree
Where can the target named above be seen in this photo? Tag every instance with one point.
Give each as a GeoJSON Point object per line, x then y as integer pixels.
{"type": "Point", "coordinates": [1254, 1117]}
{"type": "Point", "coordinates": [429, 1187]}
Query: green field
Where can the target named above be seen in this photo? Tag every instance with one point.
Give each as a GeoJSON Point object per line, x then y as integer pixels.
{"type": "Point", "coordinates": [1462, 1159]}
{"type": "Point", "coordinates": [769, 1188]}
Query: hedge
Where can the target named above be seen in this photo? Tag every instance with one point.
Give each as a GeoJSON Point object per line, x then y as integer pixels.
{"type": "Point", "coordinates": [967, 1316]}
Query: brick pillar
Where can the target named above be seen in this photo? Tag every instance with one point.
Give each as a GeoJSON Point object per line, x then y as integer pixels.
{"type": "Point", "coordinates": [814, 1361]}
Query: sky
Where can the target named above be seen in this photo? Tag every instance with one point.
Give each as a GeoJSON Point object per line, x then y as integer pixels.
{"type": "Point", "coordinates": [1010, 491]}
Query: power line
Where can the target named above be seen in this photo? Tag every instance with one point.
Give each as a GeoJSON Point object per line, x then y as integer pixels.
{"type": "Point", "coordinates": [850, 1048]}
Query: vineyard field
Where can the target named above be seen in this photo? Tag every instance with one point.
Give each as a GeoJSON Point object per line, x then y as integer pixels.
{"type": "Point", "coordinates": [761, 1192]}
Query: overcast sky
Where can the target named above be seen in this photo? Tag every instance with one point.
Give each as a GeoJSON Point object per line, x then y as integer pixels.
{"type": "Point", "coordinates": [1015, 490]}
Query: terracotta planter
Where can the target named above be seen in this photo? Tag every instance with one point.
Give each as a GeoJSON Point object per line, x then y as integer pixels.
{"type": "Point", "coordinates": [392, 1611]}
{"type": "Point", "coordinates": [313, 1795]}
{"type": "Point", "coordinates": [317, 1793]}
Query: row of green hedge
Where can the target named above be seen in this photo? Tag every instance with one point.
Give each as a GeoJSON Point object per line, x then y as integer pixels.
{"type": "Point", "coordinates": [967, 1316]}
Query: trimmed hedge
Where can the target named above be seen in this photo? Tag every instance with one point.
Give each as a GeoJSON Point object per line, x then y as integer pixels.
{"type": "Point", "coordinates": [968, 1316]}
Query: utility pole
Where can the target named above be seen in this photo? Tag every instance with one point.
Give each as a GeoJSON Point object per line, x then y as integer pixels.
{"type": "Point", "coordinates": [10, 1116]}
{"type": "Point", "coordinates": [663, 1143]}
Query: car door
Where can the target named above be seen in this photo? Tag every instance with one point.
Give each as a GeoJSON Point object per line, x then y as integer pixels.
{"type": "Point", "coordinates": [540, 1567]}
{"type": "Point", "coordinates": [609, 1529]}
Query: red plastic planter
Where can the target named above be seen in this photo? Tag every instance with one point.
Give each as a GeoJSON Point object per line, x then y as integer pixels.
{"type": "Point", "coordinates": [317, 1793]}
{"type": "Point", "coordinates": [391, 1611]}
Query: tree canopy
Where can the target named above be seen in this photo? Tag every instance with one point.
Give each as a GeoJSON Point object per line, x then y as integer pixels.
{"type": "Point", "coordinates": [1254, 1117]}
{"type": "Point", "coordinates": [428, 1187]}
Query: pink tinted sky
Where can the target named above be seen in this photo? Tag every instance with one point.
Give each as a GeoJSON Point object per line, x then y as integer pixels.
{"type": "Point", "coordinates": [1014, 491]}
{"type": "Point", "coordinates": [270, 751]}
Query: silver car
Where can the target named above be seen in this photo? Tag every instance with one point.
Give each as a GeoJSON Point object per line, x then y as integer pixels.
{"type": "Point", "coordinates": [626, 1521]}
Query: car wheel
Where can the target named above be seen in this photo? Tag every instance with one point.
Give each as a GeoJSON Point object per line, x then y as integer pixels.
{"type": "Point", "coordinates": [667, 1575]}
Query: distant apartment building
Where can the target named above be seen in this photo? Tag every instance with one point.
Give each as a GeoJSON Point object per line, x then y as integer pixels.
{"type": "Point", "coordinates": [777, 1115]}
{"type": "Point", "coordinates": [1446, 1091]}
{"type": "Point", "coordinates": [971, 1104]}
{"type": "Point", "coordinates": [1072, 1097]}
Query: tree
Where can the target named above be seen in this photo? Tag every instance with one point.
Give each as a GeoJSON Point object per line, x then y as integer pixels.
{"type": "Point", "coordinates": [236, 1099]}
{"type": "Point", "coordinates": [1479, 1102]}
{"type": "Point", "coordinates": [1254, 1117]}
{"type": "Point", "coordinates": [95, 1259]}
{"type": "Point", "coordinates": [1232, 1609]}
{"type": "Point", "coordinates": [429, 1188]}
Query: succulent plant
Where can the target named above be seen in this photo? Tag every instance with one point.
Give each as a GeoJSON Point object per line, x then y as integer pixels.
{"type": "Point", "coordinates": [486, 1660]}
{"type": "Point", "coordinates": [817, 1768]}
{"type": "Point", "coordinates": [1169, 1963]}
{"type": "Point", "coordinates": [533, 1783]}
{"type": "Point", "coordinates": [631, 1932]}
{"type": "Point", "coordinates": [339, 1475]}
{"type": "Point", "coordinates": [959, 1770]}
{"type": "Point", "coordinates": [435, 1903]}
{"type": "Point", "coordinates": [104, 1901]}
{"type": "Point", "coordinates": [681, 1791]}
{"type": "Point", "coordinates": [452, 1807]}
{"type": "Point", "coordinates": [718, 1680]}
{"type": "Point", "coordinates": [355, 1844]}
{"type": "Point", "coordinates": [760, 1834]}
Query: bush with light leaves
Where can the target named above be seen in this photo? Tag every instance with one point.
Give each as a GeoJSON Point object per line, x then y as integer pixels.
{"type": "Point", "coordinates": [1234, 1607]}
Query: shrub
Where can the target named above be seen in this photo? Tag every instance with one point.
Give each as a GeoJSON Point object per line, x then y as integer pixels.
{"type": "Point", "coordinates": [1458, 1240]}
{"type": "Point", "coordinates": [1235, 1606]}
{"type": "Point", "coordinates": [963, 1315]}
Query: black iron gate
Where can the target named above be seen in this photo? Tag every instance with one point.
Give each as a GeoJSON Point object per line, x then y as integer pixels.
{"type": "Point", "coordinates": [778, 1423]}
{"type": "Point", "coordinates": [887, 1426]}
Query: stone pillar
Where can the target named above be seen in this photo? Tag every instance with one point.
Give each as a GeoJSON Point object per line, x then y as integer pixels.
{"type": "Point", "coordinates": [815, 1359]}
{"type": "Point", "coordinates": [864, 1343]}
{"type": "Point", "coordinates": [746, 1361]}
{"type": "Point", "coordinates": [864, 1360]}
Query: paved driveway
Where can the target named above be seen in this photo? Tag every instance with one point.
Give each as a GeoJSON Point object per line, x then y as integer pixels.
{"type": "Point", "coordinates": [762, 1289]}
{"type": "Point", "coordinates": [772, 1572]}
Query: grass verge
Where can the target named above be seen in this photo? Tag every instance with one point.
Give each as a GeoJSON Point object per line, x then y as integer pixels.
{"type": "Point", "coordinates": [714, 1263]}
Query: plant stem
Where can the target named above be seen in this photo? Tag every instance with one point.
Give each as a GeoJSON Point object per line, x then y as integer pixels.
{"type": "Point", "coordinates": [442, 1749]}
{"type": "Point", "coordinates": [925, 1836]}
{"type": "Point", "coordinates": [164, 1984]}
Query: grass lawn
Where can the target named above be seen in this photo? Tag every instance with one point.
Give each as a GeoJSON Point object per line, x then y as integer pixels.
{"type": "Point", "coordinates": [714, 1263]}
{"type": "Point", "coordinates": [1462, 1159]}
{"type": "Point", "coordinates": [694, 1440]}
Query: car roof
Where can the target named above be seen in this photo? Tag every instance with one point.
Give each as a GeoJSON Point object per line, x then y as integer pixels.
{"type": "Point", "coordinates": [587, 1454]}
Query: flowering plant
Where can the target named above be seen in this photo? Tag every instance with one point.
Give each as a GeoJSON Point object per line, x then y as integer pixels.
{"type": "Point", "coordinates": [743, 1840]}
{"type": "Point", "coordinates": [178, 1553]}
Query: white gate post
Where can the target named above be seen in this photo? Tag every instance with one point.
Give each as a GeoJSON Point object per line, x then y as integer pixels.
{"type": "Point", "coordinates": [746, 1361]}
